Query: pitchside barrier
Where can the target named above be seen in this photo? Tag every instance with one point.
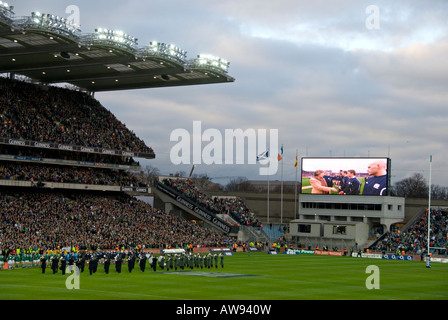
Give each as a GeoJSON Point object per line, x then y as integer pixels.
{"type": "Point", "coordinates": [315, 252]}
{"type": "Point", "coordinates": [404, 257]}
{"type": "Point", "coordinates": [173, 251]}
{"type": "Point", "coordinates": [298, 251]}
{"type": "Point", "coordinates": [360, 255]}
{"type": "Point", "coordinates": [224, 251]}
{"type": "Point", "coordinates": [441, 260]}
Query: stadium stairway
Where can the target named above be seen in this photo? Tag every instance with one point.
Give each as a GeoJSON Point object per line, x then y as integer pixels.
{"type": "Point", "coordinates": [274, 233]}
{"type": "Point", "coordinates": [367, 244]}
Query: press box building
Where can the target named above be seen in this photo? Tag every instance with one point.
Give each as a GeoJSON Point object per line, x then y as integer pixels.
{"type": "Point", "coordinates": [344, 221]}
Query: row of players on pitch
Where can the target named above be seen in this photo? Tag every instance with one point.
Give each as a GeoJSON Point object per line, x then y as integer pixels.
{"type": "Point", "coordinates": [166, 262]}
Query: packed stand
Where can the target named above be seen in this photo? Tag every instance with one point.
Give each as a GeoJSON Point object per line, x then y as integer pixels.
{"type": "Point", "coordinates": [238, 210]}
{"type": "Point", "coordinates": [234, 207]}
{"type": "Point", "coordinates": [61, 116]}
{"type": "Point", "coordinates": [63, 174]}
{"type": "Point", "coordinates": [414, 240]}
{"type": "Point", "coordinates": [51, 220]}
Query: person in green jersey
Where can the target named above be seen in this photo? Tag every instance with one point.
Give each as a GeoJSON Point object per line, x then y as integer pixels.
{"type": "Point", "coordinates": [36, 258]}
{"type": "Point", "coordinates": [10, 261]}
{"type": "Point", "coordinates": [25, 260]}
{"type": "Point", "coordinates": [17, 260]}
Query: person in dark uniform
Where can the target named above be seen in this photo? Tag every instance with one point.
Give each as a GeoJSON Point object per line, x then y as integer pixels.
{"type": "Point", "coordinates": [81, 262]}
{"type": "Point", "coordinates": [154, 263]}
{"type": "Point", "coordinates": [71, 260]}
{"type": "Point", "coordinates": [118, 262]}
{"type": "Point", "coordinates": [131, 261]}
{"type": "Point", "coordinates": [92, 265]}
{"type": "Point", "coordinates": [54, 264]}
{"type": "Point", "coordinates": [63, 265]}
{"type": "Point", "coordinates": [88, 257]}
{"type": "Point", "coordinates": [328, 178]}
{"type": "Point", "coordinates": [43, 263]}
{"type": "Point", "coordinates": [376, 183]}
{"type": "Point", "coordinates": [106, 263]}
{"type": "Point", "coordinates": [96, 260]}
{"type": "Point", "coordinates": [142, 261]}
{"type": "Point", "coordinates": [352, 185]}
{"type": "Point", "coordinates": [343, 179]}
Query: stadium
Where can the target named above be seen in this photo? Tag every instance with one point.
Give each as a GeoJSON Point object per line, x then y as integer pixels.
{"type": "Point", "coordinates": [72, 195]}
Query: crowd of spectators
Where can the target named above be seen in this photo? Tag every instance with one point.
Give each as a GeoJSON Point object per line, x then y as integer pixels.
{"type": "Point", "coordinates": [238, 209]}
{"type": "Point", "coordinates": [47, 219]}
{"type": "Point", "coordinates": [62, 116]}
{"type": "Point", "coordinates": [414, 240]}
{"type": "Point", "coordinates": [233, 206]}
{"type": "Point", "coordinates": [52, 220]}
{"type": "Point", "coordinates": [64, 174]}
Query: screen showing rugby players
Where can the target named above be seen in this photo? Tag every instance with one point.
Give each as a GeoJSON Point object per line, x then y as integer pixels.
{"type": "Point", "coordinates": [346, 176]}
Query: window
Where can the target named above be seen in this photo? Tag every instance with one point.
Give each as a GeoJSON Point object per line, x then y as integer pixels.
{"type": "Point", "coordinates": [339, 230]}
{"type": "Point", "coordinates": [304, 228]}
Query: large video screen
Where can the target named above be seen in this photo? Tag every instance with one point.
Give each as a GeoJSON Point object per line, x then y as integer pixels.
{"type": "Point", "coordinates": [346, 176]}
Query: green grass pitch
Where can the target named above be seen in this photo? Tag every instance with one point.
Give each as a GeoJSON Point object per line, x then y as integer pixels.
{"type": "Point", "coordinates": [257, 276]}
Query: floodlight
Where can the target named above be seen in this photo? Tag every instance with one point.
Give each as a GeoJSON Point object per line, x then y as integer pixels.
{"type": "Point", "coordinates": [163, 50]}
{"type": "Point", "coordinates": [114, 37]}
{"type": "Point", "coordinates": [211, 62]}
{"type": "Point", "coordinates": [53, 23]}
{"type": "Point", "coordinates": [6, 8]}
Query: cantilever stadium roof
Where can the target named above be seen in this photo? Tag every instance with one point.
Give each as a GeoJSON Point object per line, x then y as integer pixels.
{"type": "Point", "coordinates": [48, 49]}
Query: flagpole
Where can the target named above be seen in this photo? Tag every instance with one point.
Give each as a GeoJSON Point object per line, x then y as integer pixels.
{"type": "Point", "coordinates": [269, 174]}
{"type": "Point", "coordinates": [268, 192]}
{"type": "Point", "coordinates": [429, 201]}
{"type": "Point", "coordinates": [281, 187]}
{"type": "Point", "coordinates": [295, 189]}
{"type": "Point", "coordinates": [265, 155]}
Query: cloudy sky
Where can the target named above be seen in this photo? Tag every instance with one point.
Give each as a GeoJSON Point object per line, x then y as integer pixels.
{"type": "Point", "coordinates": [336, 78]}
